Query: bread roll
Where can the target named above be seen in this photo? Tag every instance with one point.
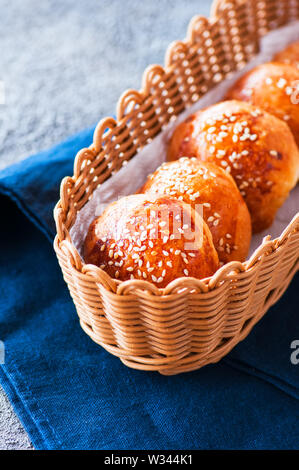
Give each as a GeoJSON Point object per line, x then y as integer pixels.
{"type": "Point", "coordinates": [255, 147]}
{"type": "Point", "coordinates": [151, 238]}
{"type": "Point", "coordinates": [211, 190]}
{"type": "Point", "coordinates": [273, 87]}
{"type": "Point", "coordinates": [290, 55]}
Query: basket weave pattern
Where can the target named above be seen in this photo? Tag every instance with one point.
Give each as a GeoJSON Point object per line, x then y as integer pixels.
{"type": "Point", "coordinates": [191, 322]}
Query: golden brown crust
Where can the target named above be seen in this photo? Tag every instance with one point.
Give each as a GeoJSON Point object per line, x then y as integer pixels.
{"type": "Point", "coordinates": [153, 238]}
{"type": "Point", "coordinates": [256, 148]}
{"type": "Point", "coordinates": [289, 55]}
{"type": "Point", "coordinates": [272, 87]}
{"type": "Point", "coordinates": [208, 188]}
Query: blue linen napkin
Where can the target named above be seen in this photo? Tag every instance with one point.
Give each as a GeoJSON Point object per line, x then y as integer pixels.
{"type": "Point", "coordinates": [71, 394]}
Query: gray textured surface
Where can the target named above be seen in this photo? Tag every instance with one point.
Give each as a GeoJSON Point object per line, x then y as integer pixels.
{"type": "Point", "coordinates": [64, 65]}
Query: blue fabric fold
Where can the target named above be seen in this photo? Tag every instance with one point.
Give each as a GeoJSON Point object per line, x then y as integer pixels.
{"type": "Point", "coordinates": [71, 394]}
{"type": "Point", "coordinates": [33, 184]}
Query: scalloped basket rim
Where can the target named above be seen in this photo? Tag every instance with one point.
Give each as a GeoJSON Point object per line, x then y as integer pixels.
{"type": "Point", "coordinates": [102, 131]}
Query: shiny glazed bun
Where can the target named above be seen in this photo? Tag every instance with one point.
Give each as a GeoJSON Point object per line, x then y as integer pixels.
{"type": "Point", "coordinates": [213, 191]}
{"type": "Point", "coordinates": [272, 87]}
{"type": "Point", "coordinates": [256, 148]}
{"type": "Point", "coordinates": [290, 55]}
{"type": "Point", "coordinates": [151, 238]}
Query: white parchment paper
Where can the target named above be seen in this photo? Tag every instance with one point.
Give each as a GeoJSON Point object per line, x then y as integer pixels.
{"type": "Point", "coordinates": [132, 176]}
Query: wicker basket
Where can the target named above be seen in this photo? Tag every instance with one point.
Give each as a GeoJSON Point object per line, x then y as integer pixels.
{"type": "Point", "coordinates": [191, 322]}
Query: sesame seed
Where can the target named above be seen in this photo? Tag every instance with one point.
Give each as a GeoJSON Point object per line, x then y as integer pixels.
{"type": "Point", "coordinates": [222, 135]}
{"type": "Point", "coordinates": [281, 83]}
{"type": "Point", "coordinates": [186, 272]}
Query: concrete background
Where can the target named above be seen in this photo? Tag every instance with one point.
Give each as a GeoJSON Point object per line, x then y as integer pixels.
{"type": "Point", "coordinates": [64, 63]}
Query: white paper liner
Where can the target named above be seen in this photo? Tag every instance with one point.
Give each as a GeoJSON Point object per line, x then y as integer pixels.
{"type": "Point", "coordinates": [132, 176]}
